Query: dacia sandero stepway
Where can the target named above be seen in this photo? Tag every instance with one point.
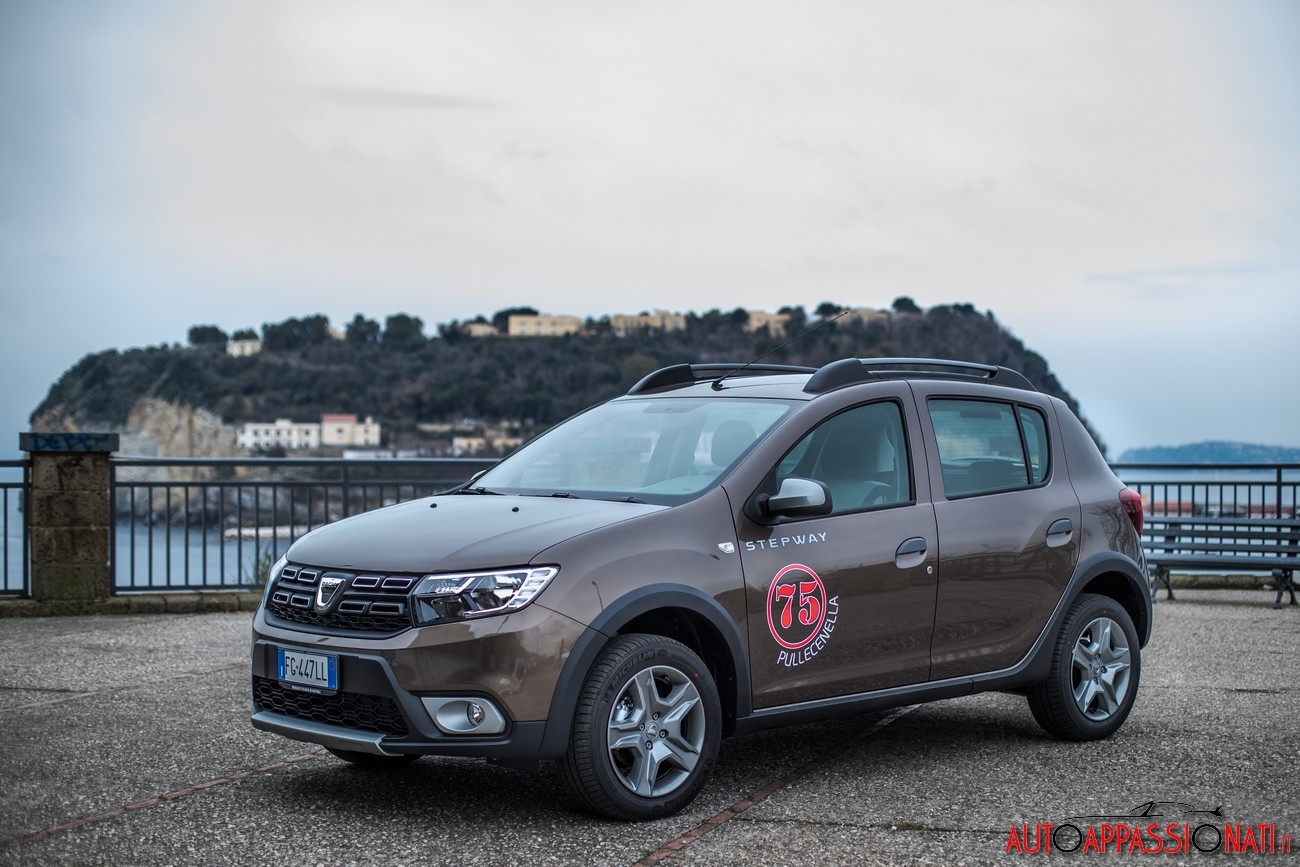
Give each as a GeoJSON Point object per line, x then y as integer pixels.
{"type": "Point", "coordinates": [724, 548]}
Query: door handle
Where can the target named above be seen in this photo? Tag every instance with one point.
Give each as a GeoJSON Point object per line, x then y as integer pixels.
{"type": "Point", "coordinates": [911, 553]}
{"type": "Point", "coordinates": [1059, 532]}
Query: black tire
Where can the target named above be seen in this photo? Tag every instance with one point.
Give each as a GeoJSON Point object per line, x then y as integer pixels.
{"type": "Point", "coordinates": [646, 730]}
{"type": "Point", "coordinates": [1096, 665]}
{"type": "Point", "coordinates": [371, 760]}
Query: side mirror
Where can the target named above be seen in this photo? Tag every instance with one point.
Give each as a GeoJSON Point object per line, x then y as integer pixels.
{"type": "Point", "coordinates": [798, 498]}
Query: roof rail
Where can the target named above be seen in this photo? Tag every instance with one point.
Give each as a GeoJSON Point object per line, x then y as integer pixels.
{"type": "Point", "coordinates": [847, 371]}
{"type": "Point", "coordinates": [689, 374]}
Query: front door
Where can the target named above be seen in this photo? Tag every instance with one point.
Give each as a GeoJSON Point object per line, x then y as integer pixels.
{"type": "Point", "coordinates": [843, 603]}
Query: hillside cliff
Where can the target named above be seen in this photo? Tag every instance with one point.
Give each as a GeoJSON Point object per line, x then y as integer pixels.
{"type": "Point", "coordinates": [152, 428]}
{"type": "Point", "coordinates": [178, 397]}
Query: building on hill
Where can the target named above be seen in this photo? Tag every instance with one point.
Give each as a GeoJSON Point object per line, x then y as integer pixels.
{"type": "Point", "coordinates": [342, 430]}
{"type": "Point", "coordinates": [282, 433]}
{"type": "Point", "coordinates": [863, 315]}
{"type": "Point", "coordinates": [243, 347]}
{"type": "Point", "coordinates": [333, 431]}
{"type": "Point", "coordinates": [481, 445]}
{"type": "Point", "coordinates": [480, 329]}
{"type": "Point", "coordinates": [773, 323]}
{"type": "Point", "coordinates": [661, 320]}
{"type": "Point", "coordinates": [543, 325]}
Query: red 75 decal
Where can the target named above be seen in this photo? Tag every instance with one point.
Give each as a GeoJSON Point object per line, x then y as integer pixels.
{"type": "Point", "coordinates": [796, 606]}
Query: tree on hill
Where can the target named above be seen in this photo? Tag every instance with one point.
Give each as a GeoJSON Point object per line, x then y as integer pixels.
{"type": "Point", "coordinates": [296, 333]}
{"type": "Point", "coordinates": [402, 331]}
{"type": "Point", "coordinates": [207, 335]}
{"type": "Point", "coordinates": [361, 330]}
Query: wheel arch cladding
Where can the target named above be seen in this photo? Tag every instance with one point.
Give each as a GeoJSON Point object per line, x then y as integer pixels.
{"type": "Point", "coordinates": [676, 611]}
{"type": "Point", "coordinates": [702, 637]}
{"type": "Point", "coordinates": [1119, 578]}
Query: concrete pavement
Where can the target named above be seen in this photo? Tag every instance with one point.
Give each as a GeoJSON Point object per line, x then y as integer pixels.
{"type": "Point", "coordinates": [126, 741]}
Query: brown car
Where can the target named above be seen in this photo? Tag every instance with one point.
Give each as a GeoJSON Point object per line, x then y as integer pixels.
{"type": "Point", "coordinates": [723, 549]}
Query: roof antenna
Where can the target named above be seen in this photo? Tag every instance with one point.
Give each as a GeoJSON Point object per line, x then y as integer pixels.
{"type": "Point", "coordinates": [717, 383]}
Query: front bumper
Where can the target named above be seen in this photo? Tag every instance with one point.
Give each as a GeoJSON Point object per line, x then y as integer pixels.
{"type": "Point", "coordinates": [394, 691]}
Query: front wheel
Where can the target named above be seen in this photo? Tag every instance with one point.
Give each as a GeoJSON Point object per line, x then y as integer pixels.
{"type": "Point", "coordinates": [1093, 680]}
{"type": "Point", "coordinates": [646, 730]}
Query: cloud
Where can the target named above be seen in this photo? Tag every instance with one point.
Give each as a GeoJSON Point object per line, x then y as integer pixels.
{"type": "Point", "coordinates": [399, 99]}
{"type": "Point", "coordinates": [1073, 167]}
{"type": "Point", "coordinates": [590, 143]}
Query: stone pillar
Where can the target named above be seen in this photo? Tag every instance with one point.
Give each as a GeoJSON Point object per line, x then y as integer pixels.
{"type": "Point", "coordinates": [71, 519]}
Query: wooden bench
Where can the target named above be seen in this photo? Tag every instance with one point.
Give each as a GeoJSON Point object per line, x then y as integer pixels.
{"type": "Point", "coordinates": [1234, 544]}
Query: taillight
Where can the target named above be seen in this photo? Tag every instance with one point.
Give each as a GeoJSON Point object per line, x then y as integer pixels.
{"type": "Point", "coordinates": [1131, 501]}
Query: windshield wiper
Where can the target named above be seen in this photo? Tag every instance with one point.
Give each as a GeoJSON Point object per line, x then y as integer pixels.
{"type": "Point", "coordinates": [478, 490]}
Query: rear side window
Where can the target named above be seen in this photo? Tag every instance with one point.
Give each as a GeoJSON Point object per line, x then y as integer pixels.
{"type": "Point", "coordinates": [1035, 428]}
{"type": "Point", "coordinates": [986, 447]}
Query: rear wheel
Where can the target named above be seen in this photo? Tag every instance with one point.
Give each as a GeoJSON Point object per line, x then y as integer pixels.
{"type": "Point", "coordinates": [1094, 675]}
{"type": "Point", "coordinates": [646, 730]}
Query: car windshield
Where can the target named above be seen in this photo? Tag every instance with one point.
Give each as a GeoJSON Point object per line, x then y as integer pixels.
{"type": "Point", "coordinates": [656, 450]}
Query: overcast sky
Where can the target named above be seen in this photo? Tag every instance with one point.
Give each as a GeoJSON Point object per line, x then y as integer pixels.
{"type": "Point", "coordinates": [1117, 182]}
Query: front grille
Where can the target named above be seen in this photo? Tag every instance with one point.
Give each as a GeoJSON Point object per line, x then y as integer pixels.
{"type": "Point", "coordinates": [366, 713]}
{"type": "Point", "coordinates": [363, 602]}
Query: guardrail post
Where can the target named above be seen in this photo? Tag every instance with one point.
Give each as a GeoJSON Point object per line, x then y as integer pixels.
{"type": "Point", "coordinates": [71, 519]}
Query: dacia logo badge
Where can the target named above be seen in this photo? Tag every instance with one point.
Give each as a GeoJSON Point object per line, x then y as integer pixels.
{"type": "Point", "coordinates": [326, 590]}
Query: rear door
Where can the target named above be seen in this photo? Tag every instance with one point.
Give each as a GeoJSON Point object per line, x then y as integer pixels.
{"type": "Point", "coordinates": [844, 603]}
{"type": "Point", "coordinates": [1007, 519]}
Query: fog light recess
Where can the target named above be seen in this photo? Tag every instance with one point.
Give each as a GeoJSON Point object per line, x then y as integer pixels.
{"type": "Point", "coordinates": [464, 716]}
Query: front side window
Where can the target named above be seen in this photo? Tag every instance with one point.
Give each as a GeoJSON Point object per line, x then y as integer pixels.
{"type": "Point", "coordinates": [859, 454]}
{"type": "Point", "coordinates": [659, 450]}
{"type": "Point", "coordinates": [986, 447]}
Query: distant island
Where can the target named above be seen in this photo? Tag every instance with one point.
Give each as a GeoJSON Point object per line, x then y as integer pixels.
{"type": "Point", "coordinates": [1212, 452]}
{"type": "Point", "coordinates": [518, 371]}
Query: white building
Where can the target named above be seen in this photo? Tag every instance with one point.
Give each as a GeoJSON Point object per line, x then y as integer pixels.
{"type": "Point", "coordinates": [281, 433]}
{"type": "Point", "coordinates": [241, 348]}
{"type": "Point", "coordinates": [334, 430]}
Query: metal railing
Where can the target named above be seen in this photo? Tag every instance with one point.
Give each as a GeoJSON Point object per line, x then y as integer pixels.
{"type": "Point", "coordinates": [220, 523]}
{"type": "Point", "coordinates": [1215, 490]}
{"type": "Point", "coordinates": [15, 569]}
{"type": "Point", "coordinates": [187, 524]}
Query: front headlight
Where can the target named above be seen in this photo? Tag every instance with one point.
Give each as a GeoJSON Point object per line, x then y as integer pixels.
{"type": "Point", "coordinates": [440, 598]}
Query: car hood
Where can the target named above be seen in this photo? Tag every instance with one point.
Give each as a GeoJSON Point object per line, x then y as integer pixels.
{"type": "Point", "coordinates": [457, 532]}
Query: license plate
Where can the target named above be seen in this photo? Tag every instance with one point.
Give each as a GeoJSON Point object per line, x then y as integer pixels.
{"type": "Point", "coordinates": [307, 669]}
